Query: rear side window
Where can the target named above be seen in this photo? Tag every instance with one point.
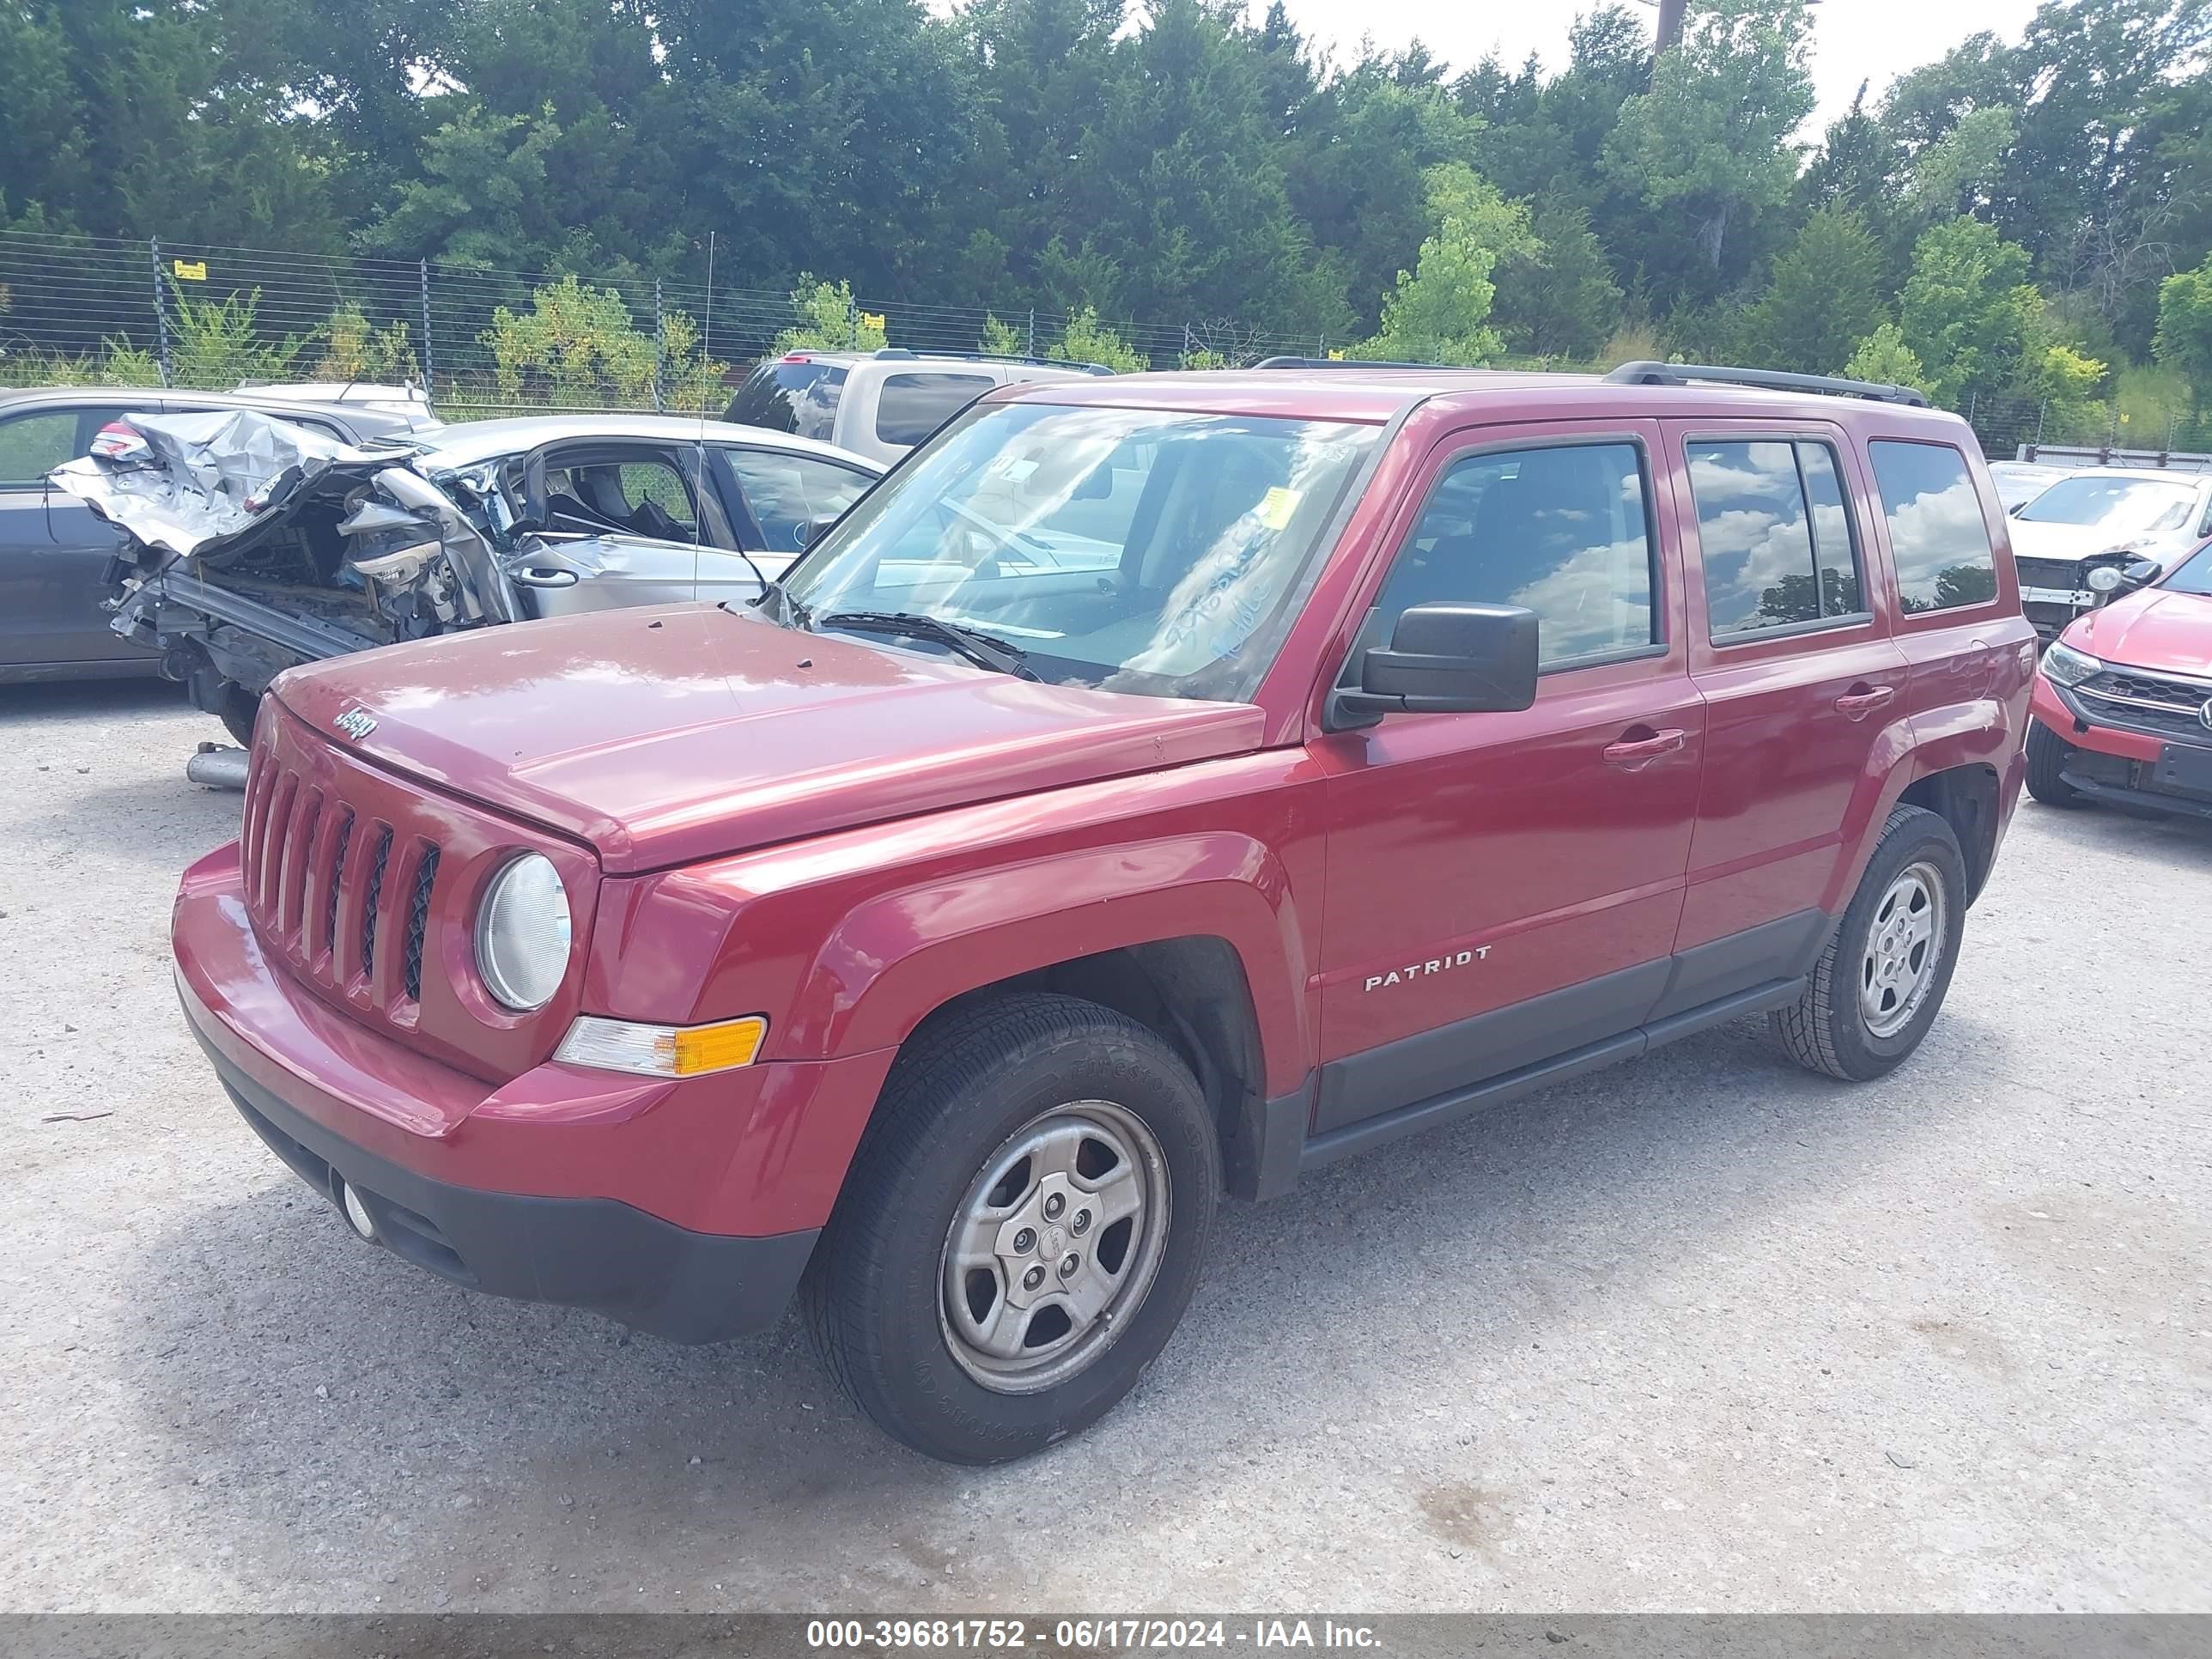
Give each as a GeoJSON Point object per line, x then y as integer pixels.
{"type": "Point", "coordinates": [1562, 531]}
{"type": "Point", "coordinates": [1936, 533]}
{"type": "Point", "coordinates": [914, 405]}
{"type": "Point", "coordinates": [1774, 534]}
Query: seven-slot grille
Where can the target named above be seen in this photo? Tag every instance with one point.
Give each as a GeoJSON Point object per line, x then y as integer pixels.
{"type": "Point", "coordinates": [304, 851]}
{"type": "Point", "coordinates": [361, 884]}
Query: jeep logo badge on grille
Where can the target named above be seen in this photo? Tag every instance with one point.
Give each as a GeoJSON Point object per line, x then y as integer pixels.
{"type": "Point", "coordinates": [355, 723]}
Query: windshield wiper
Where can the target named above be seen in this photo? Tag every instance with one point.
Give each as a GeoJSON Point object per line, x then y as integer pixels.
{"type": "Point", "coordinates": [980, 648]}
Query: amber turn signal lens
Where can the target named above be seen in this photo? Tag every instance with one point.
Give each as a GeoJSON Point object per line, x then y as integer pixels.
{"type": "Point", "coordinates": [674, 1051]}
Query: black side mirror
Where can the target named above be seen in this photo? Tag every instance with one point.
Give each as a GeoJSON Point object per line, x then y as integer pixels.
{"type": "Point", "coordinates": [1444, 658]}
{"type": "Point", "coordinates": [812, 531]}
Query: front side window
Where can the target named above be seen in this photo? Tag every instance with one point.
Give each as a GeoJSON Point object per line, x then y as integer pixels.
{"type": "Point", "coordinates": [787, 492]}
{"type": "Point", "coordinates": [912, 406]}
{"type": "Point", "coordinates": [1129, 549]}
{"type": "Point", "coordinates": [1564, 532]}
{"type": "Point", "coordinates": [1774, 534]}
{"type": "Point", "coordinates": [644, 497]}
{"type": "Point", "coordinates": [653, 489]}
{"type": "Point", "coordinates": [31, 445]}
{"type": "Point", "coordinates": [1937, 536]}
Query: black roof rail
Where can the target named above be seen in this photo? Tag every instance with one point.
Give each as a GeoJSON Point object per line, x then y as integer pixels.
{"type": "Point", "coordinates": [902, 353]}
{"type": "Point", "coordinates": [1361, 362]}
{"type": "Point", "coordinates": [1771, 379]}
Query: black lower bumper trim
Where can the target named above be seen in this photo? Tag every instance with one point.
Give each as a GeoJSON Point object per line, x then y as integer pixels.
{"type": "Point", "coordinates": [593, 1253]}
{"type": "Point", "coordinates": [2119, 794]}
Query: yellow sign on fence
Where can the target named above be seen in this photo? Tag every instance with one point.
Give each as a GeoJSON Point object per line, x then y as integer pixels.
{"type": "Point", "coordinates": [194, 272]}
{"type": "Point", "coordinates": [872, 319]}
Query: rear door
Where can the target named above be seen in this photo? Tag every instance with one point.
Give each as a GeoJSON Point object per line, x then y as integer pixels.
{"type": "Point", "coordinates": [1790, 645]}
{"type": "Point", "coordinates": [1958, 624]}
{"type": "Point", "coordinates": [1503, 888]}
{"type": "Point", "coordinates": [54, 552]}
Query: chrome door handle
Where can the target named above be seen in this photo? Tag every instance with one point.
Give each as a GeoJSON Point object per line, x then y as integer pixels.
{"type": "Point", "coordinates": [1856, 705]}
{"type": "Point", "coordinates": [1634, 751]}
{"type": "Point", "coordinates": [531, 576]}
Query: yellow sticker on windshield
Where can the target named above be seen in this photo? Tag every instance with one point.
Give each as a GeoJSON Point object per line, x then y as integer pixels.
{"type": "Point", "coordinates": [1277, 506]}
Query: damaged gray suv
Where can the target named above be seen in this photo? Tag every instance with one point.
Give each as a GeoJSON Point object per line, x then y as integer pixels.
{"type": "Point", "coordinates": [255, 543]}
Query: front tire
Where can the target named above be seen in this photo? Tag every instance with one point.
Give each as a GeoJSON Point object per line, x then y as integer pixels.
{"type": "Point", "coordinates": [1021, 1229]}
{"type": "Point", "coordinates": [240, 708]}
{"type": "Point", "coordinates": [1878, 985]}
{"type": "Point", "coordinates": [2047, 755]}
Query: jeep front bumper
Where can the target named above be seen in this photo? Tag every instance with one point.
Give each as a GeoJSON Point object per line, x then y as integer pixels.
{"type": "Point", "coordinates": [687, 1210]}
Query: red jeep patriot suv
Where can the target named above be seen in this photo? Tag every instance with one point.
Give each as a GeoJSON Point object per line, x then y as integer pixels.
{"type": "Point", "coordinates": [1158, 788]}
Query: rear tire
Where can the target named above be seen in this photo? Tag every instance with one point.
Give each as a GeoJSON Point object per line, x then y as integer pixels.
{"type": "Point", "coordinates": [1030, 1153]}
{"type": "Point", "coordinates": [1878, 985]}
{"type": "Point", "coordinates": [2047, 755]}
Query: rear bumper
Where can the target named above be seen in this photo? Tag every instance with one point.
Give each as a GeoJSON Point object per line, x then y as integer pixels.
{"type": "Point", "coordinates": [580, 1252]}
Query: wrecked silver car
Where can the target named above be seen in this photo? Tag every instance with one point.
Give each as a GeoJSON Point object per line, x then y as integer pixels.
{"type": "Point", "coordinates": [255, 543]}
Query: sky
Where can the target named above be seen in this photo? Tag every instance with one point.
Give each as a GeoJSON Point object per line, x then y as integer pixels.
{"type": "Point", "coordinates": [1853, 40]}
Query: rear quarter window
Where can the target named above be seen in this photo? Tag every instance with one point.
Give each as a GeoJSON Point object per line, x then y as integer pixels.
{"type": "Point", "coordinates": [912, 406]}
{"type": "Point", "coordinates": [1938, 539]}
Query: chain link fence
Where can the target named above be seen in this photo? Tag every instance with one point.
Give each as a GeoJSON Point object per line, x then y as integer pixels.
{"type": "Point", "coordinates": [154, 313]}
{"type": "Point", "coordinates": [2017, 428]}
{"type": "Point", "coordinates": [91, 309]}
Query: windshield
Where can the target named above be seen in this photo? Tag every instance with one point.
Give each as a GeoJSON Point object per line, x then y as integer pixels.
{"type": "Point", "coordinates": [1127, 550]}
{"type": "Point", "coordinates": [2194, 573]}
{"type": "Point", "coordinates": [2121, 504]}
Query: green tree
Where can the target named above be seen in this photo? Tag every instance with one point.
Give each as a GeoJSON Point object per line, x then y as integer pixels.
{"type": "Point", "coordinates": [1087, 340]}
{"type": "Point", "coordinates": [1710, 138]}
{"type": "Point", "coordinates": [354, 349]}
{"type": "Point", "coordinates": [826, 318]}
{"type": "Point", "coordinates": [1556, 296]}
{"type": "Point", "coordinates": [2184, 342]}
{"type": "Point", "coordinates": [579, 347]}
{"type": "Point", "coordinates": [1439, 311]}
{"type": "Point", "coordinates": [1968, 311]}
{"type": "Point", "coordinates": [1364, 141]}
{"type": "Point", "coordinates": [1824, 298]}
{"type": "Point", "coordinates": [1884, 356]}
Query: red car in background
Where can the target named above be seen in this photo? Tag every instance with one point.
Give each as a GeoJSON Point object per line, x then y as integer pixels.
{"type": "Point", "coordinates": [2123, 706]}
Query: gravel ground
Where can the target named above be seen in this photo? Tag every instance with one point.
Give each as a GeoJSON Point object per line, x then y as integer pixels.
{"type": "Point", "coordinates": [1704, 1332]}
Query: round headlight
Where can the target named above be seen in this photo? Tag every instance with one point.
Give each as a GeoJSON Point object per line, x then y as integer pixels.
{"type": "Point", "coordinates": [2104, 578]}
{"type": "Point", "coordinates": [522, 933]}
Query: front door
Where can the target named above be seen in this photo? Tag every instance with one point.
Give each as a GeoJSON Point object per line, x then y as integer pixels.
{"type": "Point", "coordinates": [1503, 888]}
{"type": "Point", "coordinates": [54, 552]}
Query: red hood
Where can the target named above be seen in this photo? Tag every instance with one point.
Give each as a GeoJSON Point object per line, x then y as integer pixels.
{"type": "Point", "coordinates": [668, 735]}
{"type": "Point", "coordinates": [2153, 628]}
